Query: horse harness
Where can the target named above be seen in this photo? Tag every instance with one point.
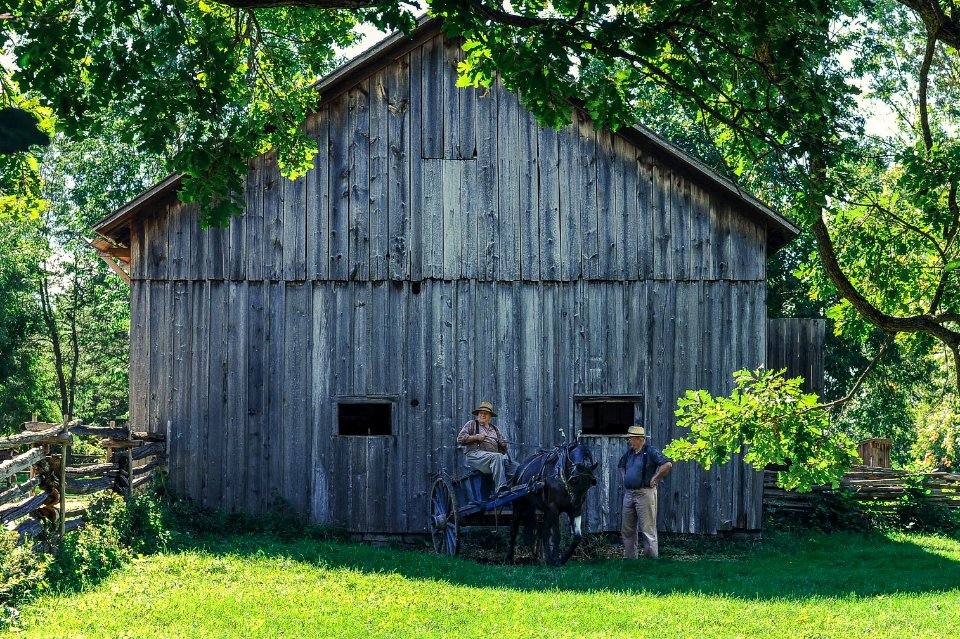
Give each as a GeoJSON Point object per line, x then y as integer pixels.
{"type": "Point", "coordinates": [562, 455]}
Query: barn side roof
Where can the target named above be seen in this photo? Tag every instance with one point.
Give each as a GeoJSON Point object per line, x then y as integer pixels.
{"type": "Point", "coordinates": [780, 230]}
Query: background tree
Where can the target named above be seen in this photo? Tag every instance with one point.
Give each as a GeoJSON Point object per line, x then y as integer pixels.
{"type": "Point", "coordinates": [779, 91]}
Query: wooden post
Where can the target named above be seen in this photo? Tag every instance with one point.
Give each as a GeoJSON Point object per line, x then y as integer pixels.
{"type": "Point", "coordinates": [129, 460]}
{"type": "Point", "coordinates": [64, 452]}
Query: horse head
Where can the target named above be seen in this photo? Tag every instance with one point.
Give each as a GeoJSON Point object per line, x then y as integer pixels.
{"type": "Point", "coordinates": [581, 464]}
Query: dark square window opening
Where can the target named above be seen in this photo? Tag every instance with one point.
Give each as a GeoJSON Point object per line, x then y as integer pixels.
{"type": "Point", "coordinates": [606, 417]}
{"type": "Point", "coordinates": [364, 419]}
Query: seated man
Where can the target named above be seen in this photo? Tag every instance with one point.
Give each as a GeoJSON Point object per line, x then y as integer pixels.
{"type": "Point", "coordinates": [486, 446]}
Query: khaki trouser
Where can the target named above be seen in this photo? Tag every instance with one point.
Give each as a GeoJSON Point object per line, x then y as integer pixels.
{"type": "Point", "coordinates": [496, 465]}
{"type": "Point", "coordinates": [639, 505]}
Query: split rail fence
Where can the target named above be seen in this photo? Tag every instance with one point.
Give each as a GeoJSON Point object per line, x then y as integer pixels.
{"type": "Point", "coordinates": [880, 489]}
{"type": "Point", "coordinates": [36, 476]}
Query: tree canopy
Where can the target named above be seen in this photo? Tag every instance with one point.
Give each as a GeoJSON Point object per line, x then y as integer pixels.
{"type": "Point", "coordinates": [785, 96]}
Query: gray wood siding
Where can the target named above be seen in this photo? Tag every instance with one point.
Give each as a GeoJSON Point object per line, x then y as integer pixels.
{"type": "Point", "coordinates": [444, 250]}
{"type": "Point", "coordinates": [263, 368]}
{"type": "Point", "coordinates": [489, 196]}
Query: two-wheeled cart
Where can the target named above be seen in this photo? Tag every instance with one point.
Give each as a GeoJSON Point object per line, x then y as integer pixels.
{"type": "Point", "coordinates": [468, 501]}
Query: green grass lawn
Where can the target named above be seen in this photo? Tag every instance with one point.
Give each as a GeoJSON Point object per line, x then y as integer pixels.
{"type": "Point", "coordinates": [840, 585]}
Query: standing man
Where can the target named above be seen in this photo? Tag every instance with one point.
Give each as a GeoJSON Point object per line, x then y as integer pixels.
{"type": "Point", "coordinates": [485, 446]}
{"type": "Point", "coordinates": [641, 469]}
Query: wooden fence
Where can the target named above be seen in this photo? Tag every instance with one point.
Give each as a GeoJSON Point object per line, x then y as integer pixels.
{"type": "Point", "coordinates": [880, 489]}
{"type": "Point", "coordinates": [36, 476]}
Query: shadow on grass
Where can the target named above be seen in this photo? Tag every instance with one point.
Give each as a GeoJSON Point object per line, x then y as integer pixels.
{"type": "Point", "coordinates": [837, 565]}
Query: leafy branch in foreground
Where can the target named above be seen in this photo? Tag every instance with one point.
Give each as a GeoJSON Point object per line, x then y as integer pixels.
{"type": "Point", "coordinates": [777, 423]}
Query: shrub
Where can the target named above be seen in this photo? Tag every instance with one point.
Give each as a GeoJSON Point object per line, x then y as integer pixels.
{"type": "Point", "coordinates": [115, 531]}
{"type": "Point", "coordinates": [23, 571]}
{"type": "Point", "coordinates": [87, 555]}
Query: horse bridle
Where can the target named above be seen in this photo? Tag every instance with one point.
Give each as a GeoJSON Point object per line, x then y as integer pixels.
{"type": "Point", "coordinates": [577, 474]}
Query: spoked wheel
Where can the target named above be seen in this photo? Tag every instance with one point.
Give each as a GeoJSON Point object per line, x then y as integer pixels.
{"type": "Point", "coordinates": [444, 518]}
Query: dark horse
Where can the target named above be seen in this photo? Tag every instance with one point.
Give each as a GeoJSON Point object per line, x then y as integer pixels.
{"type": "Point", "coordinates": [567, 475]}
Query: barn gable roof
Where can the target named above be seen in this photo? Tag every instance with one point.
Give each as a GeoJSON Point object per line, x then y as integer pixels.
{"type": "Point", "coordinates": [780, 230]}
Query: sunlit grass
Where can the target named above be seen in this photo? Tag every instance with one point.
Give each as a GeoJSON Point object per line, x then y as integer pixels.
{"type": "Point", "coordinates": [254, 586]}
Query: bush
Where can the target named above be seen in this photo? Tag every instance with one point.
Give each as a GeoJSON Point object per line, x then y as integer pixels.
{"type": "Point", "coordinates": [87, 555]}
{"type": "Point", "coordinates": [916, 513]}
{"type": "Point", "coordinates": [23, 571]}
{"type": "Point", "coordinates": [117, 529]}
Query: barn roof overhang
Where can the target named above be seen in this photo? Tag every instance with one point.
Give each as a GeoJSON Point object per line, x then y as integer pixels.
{"type": "Point", "coordinates": [780, 231]}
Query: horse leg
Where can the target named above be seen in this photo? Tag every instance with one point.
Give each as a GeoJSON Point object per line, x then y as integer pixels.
{"type": "Point", "coordinates": [575, 524]}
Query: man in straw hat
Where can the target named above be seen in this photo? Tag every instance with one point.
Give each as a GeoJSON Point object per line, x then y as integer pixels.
{"type": "Point", "coordinates": [641, 469]}
{"type": "Point", "coordinates": [486, 447]}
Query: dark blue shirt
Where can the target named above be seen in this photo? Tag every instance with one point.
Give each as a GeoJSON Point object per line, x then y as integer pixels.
{"type": "Point", "coordinates": [641, 466]}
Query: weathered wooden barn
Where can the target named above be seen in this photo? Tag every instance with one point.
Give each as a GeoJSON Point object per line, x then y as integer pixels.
{"type": "Point", "coordinates": [327, 346]}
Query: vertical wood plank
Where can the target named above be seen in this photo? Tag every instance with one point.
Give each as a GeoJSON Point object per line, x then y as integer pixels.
{"type": "Point", "coordinates": [680, 227]}
{"type": "Point", "coordinates": [317, 252]}
{"type": "Point", "coordinates": [139, 363]}
{"type": "Point", "coordinates": [663, 250]}
{"type": "Point", "coordinates": [662, 394]}
{"type": "Point", "coordinates": [452, 224]}
{"type": "Point", "coordinates": [569, 169]}
{"type": "Point", "coordinates": [254, 497]}
{"type": "Point", "coordinates": [360, 324]}
{"type": "Point", "coordinates": [459, 131]}
{"type": "Point", "coordinates": [180, 361]}
{"type": "Point", "coordinates": [720, 239]}
{"type": "Point", "coordinates": [645, 217]}
{"type": "Point", "coordinates": [703, 266]}
{"type": "Point", "coordinates": [216, 245]}
{"type": "Point", "coordinates": [296, 428]}
{"type": "Point", "coordinates": [179, 242]}
{"type": "Point", "coordinates": [527, 158]}
{"type": "Point", "coordinates": [398, 168]}
{"type": "Point", "coordinates": [294, 203]}
{"type": "Point", "coordinates": [508, 176]}
{"type": "Point", "coordinates": [589, 231]}
{"type": "Point", "coordinates": [235, 267]}
{"type": "Point", "coordinates": [253, 219]}
{"type": "Point", "coordinates": [359, 163]}
{"type": "Point", "coordinates": [235, 468]}
{"type": "Point", "coordinates": [339, 187]}
{"type": "Point", "coordinates": [416, 471]}
{"type": "Point", "coordinates": [321, 409]}
{"type": "Point", "coordinates": [196, 268]}
{"type": "Point", "coordinates": [549, 391]}
{"type": "Point", "coordinates": [199, 391]}
{"type": "Point", "coordinates": [431, 214]}
{"type": "Point", "coordinates": [610, 207]}
{"type": "Point", "coordinates": [469, 205]}
{"type": "Point", "coordinates": [155, 234]}
{"type": "Point", "coordinates": [217, 391]}
{"type": "Point", "coordinates": [379, 178]}
{"type": "Point", "coordinates": [629, 218]}
{"type": "Point", "coordinates": [138, 250]}
{"type": "Point", "coordinates": [549, 168]}
{"type": "Point", "coordinates": [487, 196]}
{"type": "Point", "coordinates": [415, 247]}
{"type": "Point", "coordinates": [273, 213]}
{"type": "Point", "coordinates": [273, 438]}
{"type": "Point", "coordinates": [432, 67]}
{"type": "Point", "coordinates": [508, 387]}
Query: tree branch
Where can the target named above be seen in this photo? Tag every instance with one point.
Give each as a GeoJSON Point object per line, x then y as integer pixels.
{"type": "Point", "coordinates": [924, 79]}
{"type": "Point", "coordinates": [863, 376]}
{"type": "Point", "coordinates": [311, 4]}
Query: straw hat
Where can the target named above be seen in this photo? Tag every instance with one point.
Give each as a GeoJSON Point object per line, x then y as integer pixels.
{"type": "Point", "coordinates": [635, 431]}
{"type": "Point", "coordinates": [486, 406]}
